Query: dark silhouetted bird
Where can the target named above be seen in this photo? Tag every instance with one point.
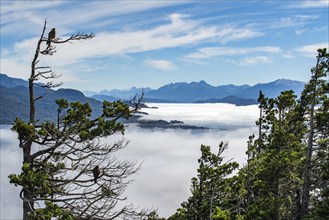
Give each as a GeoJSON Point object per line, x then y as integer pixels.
{"type": "Point", "coordinates": [96, 172]}
{"type": "Point", "coordinates": [51, 36]}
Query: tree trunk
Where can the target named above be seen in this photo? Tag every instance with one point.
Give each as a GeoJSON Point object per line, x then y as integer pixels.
{"type": "Point", "coordinates": [308, 165]}
{"type": "Point", "coordinates": [309, 149]}
{"type": "Point", "coordinates": [200, 200]}
{"type": "Point", "coordinates": [28, 204]}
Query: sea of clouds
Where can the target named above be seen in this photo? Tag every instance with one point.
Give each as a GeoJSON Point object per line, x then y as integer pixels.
{"type": "Point", "coordinates": [168, 156]}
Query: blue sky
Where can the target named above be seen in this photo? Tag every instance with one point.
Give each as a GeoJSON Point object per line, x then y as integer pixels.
{"type": "Point", "coordinates": [151, 43]}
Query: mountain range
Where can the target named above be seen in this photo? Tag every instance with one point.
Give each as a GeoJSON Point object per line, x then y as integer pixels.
{"type": "Point", "coordinates": [202, 92]}
{"type": "Point", "coordinates": [15, 101]}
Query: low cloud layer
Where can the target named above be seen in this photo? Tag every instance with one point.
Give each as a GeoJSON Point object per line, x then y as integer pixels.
{"type": "Point", "coordinates": [168, 157]}
{"type": "Point", "coordinates": [10, 162]}
{"type": "Point", "coordinates": [224, 116]}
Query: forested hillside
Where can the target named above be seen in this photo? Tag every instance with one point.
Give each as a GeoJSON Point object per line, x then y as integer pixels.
{"type": "Point", "coordinates": [287, 171]}
{"type": "Point", "coordinates": [15, 101]}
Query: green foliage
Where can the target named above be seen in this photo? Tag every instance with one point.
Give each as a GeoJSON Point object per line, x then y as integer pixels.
{"type": "Point", "coordinates": [211, 188]}
{"type": "Point", "coordinates": [272, 183]}
{"type": "Point", "coordinates": [220, 214]}
{"type": "Point", "coordinates": [181, 214]}
{"type": "Point", "coordinates": [78, 119]}
{"type": "Point", "coordinates": [62, 104]}
{"type": "Point", "coordinates": [26, 131]}
{"type": "Point", "coordinates": [74, 124]}
{"type": "Point", "coordinates": [36, 179]}
{"type": "Point", "coordinates": [113, 109]}
{"type": "Point", "coordinates": [275, 160]}
{"type": "Point", "coordinates": [30, 179]}
{"type": "Point", "coordinates": [51, 211]}
{"type": "Point", "coordinates": [64, 157]}
{"type": "Point", "coordinates": [314, 105]}
{"type": "Point", "coordinates": [153, 216]}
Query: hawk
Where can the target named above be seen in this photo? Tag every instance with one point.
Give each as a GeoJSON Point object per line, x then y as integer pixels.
{"type": "Point", "coordinates": [96, 172]}
{"type": "Point", "coordinates": [51, 36]}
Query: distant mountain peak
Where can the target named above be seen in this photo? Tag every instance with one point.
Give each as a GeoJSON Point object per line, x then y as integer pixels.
{"type": "Point", "coordinates": [202, 82]}
{"type": "Point", "coordinates": [185, 85]}
{"type": "Point", "coordinates": [287, 81]}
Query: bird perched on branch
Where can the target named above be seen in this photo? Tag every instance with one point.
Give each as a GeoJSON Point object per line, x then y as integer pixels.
{"type": "Point", "coordinates": [96, 172]}
{"type": "Point", "coordinates": [51, 36]}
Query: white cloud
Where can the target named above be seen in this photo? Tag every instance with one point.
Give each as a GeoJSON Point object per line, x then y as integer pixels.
{"type": "Point", "coordinates": [203, 114]}
{"type": "Point", "coordinates": [160, 64]}
{"type": "Point", "coordinates": [208, 52]}
{"type": "Point", "coordinates": [308, 4]}
{"type": "Point", "coordinates": [169, 156]}
{"type": "Point", "coordinates": [15, 68]}
{"type": "Point", "coordinates": [10, 159]}
{"type": "Point", "coordinates": [288, 54]}
{"type": "Point", "coordinates": [324, 28]}
{"type": "Point", "coordinates": [249, 61]}
{"type": "Point", "coordinates": [228, 33]}
{"type": "Point", "coordinates": [293, 21]}
{"type": "Point", "coordinates": [299, 31]}
{"type": "Point", "coordinates": [170, 161]}
{"type": "Point", "coordinates": [313, 4]}
{"type": "Point", "coordinates": [311, 49]}
{"type": "Point", "coordinates": [17, 15]}
{"type": "Point", "coordinates": [20, 6]}
{"type": "Point", "coordinates": [178, 31]}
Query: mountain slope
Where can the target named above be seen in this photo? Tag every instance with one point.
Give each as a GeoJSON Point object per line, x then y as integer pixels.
{"type": "Point", "coordinates": [105, 97]}
{"type": "Point", "coordinates": [183, 92]}
{"type": "Point", "coordinates": [15, 102]}
{"type": "Point", "coordinates": [10, 82]}
{"type": "Point", "coordinates": [272, 89]}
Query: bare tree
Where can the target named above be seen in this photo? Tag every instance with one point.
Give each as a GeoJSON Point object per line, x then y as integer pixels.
{"type": "Point", "coordinates": [62, 160]}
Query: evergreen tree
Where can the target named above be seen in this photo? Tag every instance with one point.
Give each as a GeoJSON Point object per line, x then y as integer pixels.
{"type": "Point", "coordinates": [212, 189]}
{"type": "Point", "coordinates": [68, 169]}
{"type": "Point", "coordinates": [274, 160]}
{"type": "Point", "coordinates": [287, 170]}
{"type": "Point", "coordinates": [314, 102]}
